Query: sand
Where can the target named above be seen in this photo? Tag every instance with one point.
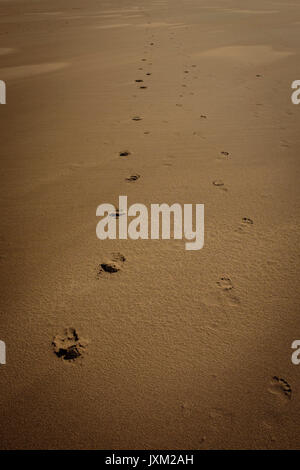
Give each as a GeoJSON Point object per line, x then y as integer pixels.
{"type": "Point", "coordinates": [166, 348]}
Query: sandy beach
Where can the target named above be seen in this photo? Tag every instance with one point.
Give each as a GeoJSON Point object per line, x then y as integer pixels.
{"type": "Point", "coordinates": [175, 349]}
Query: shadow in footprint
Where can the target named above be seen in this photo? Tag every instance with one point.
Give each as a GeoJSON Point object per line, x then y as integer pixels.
{"type": "Point", "coordinates": [68, 345]}
{"type": "Point", "coordinates": [133, 178]}
{"type": "Point", "coordinates": [219, 184]}
{"type": "Point", "coordinates": [247, 221]}
{"type": "Point", "coordinates": [112, 265]}
{"type": "Point", "coordinates": [125, 153]}
{"type": "Point", "coordinates": [281, 388]}
{"type": "Point", "coordinates": [225, 283]}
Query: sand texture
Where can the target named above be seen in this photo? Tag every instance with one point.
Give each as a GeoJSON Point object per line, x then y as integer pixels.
{"type": "Point", "coordinates": [125, 344]}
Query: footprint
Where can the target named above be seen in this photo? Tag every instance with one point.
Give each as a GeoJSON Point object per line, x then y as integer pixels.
{"type": "Point", "coordinates": [139, 80]}
{"type": "Point", "coordinates": [125, 153]}
{"type": "Point", "coordinates": [203, 116]}
{"type": "Point", "coordinates": [68, 346]}
{"type": "Point", "coordinates": [133, 178]}
{"type": "Point", "coordinates": [225, 283]}
{"type": "Point", "coordinates": [247, 221]}
{"type": "Point", "coordinates": [280, 387]}
{"type": "Point", "coordinates": [113, 265]}
{"type": "Point", "coordinates": [226, 154]}
{"type": "Point", "coordinates": [226, 286]}
{"type": "Point", "coordinates": [148, 73]}
{"type": "Point", "coordinates": [245, 225]}
{"type": "Point", "coordinates": [143, 87]}
{"type": "Point", "coordinates": [136, 118]}
{"type": "Point", "coordinates": [220, 184]}
{"type": "Point", "coordinates": [110, 267]}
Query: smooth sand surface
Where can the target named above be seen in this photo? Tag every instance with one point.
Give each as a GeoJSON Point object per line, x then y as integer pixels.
{"type": "Point", "coordinates": [180, 350]}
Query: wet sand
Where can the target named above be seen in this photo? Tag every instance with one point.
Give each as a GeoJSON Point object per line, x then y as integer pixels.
{"type": "Point", "coordinates": [175, 349]}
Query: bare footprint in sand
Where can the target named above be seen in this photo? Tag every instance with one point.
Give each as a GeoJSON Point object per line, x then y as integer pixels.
{"type": "Point", "coordinates": [226, 286]}
{"type": "Point", "coordinates": [125, 153]}
{"type": "Point", "coordinates": [219, 184]}
{"type": "Point", "coordinates": [245, 226]}
{"type": "Point", "coordinates": [68, 345]}
{"type": "Point", "coordinates": [281, 388]}
{"type": "Point", "coordinates": [247, 221]}
{"type": "Point", "coordinates": [133, 178]}
{"type": "Point", "coordinates": [112, 265]}
{"type": "Point", "coordinates": [223, 296]}
{"type": "Point", "coordinates": [225, 283]}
